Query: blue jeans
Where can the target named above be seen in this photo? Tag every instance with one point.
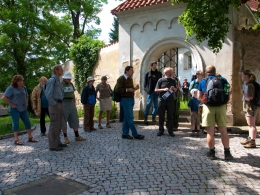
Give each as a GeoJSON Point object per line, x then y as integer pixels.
{"type": "Point", "coordinates": [16, 115]}
{"type": "Point", "coordinates": [153, 97]}
{"type": "Point", "coordinates": [128, 105]}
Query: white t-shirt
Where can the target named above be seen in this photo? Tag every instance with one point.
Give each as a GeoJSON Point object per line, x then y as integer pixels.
{"type": "Point", "coordinates": [245, 89]}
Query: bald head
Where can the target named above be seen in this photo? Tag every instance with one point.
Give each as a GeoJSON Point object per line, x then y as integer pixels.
{"type": "Point", "coordinates": [211, 70]}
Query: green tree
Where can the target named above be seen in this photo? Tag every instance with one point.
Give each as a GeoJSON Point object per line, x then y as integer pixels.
{"type": "Point", "coordinates": [207, 20]}
{"type": "Point", "coordinates": [84, 54]}
{"type": "Point", "coordinates": [113, 35]}
{"type": "Point", "coordinates": [28, 44]}
{"type": "Point", "coordinates": [81, 13]}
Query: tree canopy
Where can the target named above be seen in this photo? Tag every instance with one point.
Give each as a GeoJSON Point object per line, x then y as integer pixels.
{"type": "Point", "coordinates": [207, 20]}
{"type": "Point", "coordinates": [84, 54]}
{"type": "Point", "coordinates": [37, 34]}
{"type": "Point", "coordinates": [113, 34]}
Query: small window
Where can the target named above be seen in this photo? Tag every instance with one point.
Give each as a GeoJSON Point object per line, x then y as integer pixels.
{"type": "Point", "coordinates": [189, 62]}
{"type": "Point", "coordinates": [247, 22]}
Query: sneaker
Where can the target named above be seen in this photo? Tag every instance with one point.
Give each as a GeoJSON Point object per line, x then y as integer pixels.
{"type": "Point", "coordinates": [62, 145]}
{"type": "Point", "coordinates": [56, 149]}
{"type": "Point", "coordinates": [172, 134]}
{"type": "Point", "coordinates": [66, 140]}
{"type": "Point", "coordinates": [79, 138]}
{"type": "Point", "coordinates": [251, 144]}
{"type": "Point", "coordinates": [154, 119]}
{"type": "Point", "coordinates": [139, 137]}
{"type": "Point", "coordinates": [100, 127]}
{"type": "Point", "coordinates": [108, 126]}
{"type": "Point", "coordinates": [145, 119]}
{"type": "Point", "coordinates": [228, 155]}
{"type": "Point", "coordinates": [211, 155]}
{"type": "Point", "coordinates": [160, 133]}
{"type": "Point", "coordinates": [127, 137]}
{"type": "Point", "coordinates": [247, 141]}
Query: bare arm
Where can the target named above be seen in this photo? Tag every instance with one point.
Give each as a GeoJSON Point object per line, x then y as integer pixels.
{"type": "Point", "coordinates": [9, 102]}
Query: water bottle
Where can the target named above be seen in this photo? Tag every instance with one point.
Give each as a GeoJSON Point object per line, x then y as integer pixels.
{"type": "Point", "coordinates": [167, 94]}
{"type": "Point", "coordinates": [226, 88]}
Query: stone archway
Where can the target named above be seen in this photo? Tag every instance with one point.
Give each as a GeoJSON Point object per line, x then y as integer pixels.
{"type": "Point", "coordinates": [155, 51]}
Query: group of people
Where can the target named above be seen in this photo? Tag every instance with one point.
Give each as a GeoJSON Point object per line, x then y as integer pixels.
{"type": "Point", "coordinates": [163, 93]}
{"type": "Point", "coordinates": [57, 100]}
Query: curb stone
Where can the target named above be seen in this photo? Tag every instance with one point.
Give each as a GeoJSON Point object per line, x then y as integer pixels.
{"type": "Point", "coordinates": [12, 135]}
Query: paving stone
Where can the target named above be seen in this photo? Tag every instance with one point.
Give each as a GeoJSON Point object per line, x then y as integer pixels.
{"type": "Point", "coordinates": [156, 165]}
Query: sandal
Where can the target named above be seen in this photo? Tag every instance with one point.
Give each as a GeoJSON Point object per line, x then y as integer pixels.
{"type": "Point", "coordinates": [18, 142]}
{"type": "Point", "coordinates": [100, 127]}
{"type": "Point", "coordinates": [32, 140]}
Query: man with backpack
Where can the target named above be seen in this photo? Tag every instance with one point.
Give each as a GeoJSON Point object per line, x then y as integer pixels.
{"type": "Point", "coordinates": [125, 87]}
{"type": "Point", "coordinates": [214, 90]}
{"type": "Point", "coordinates": [151, 78]}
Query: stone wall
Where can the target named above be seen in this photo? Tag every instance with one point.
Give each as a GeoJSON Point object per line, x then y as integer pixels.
{"type": "Point", "coordinates": [107, 65]}
{"type": "Point", "coordinates": [246, 56]}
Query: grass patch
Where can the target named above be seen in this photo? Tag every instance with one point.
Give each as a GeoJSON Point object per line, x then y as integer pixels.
{"type": "Point", "coordinates": [6, 124]}
{"type": "Point", "coordinates": [113, 111]}
{"type": "Point", "coordinates": [183, 106]}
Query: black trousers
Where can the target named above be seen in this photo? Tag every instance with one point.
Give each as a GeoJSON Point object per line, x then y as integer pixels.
{"type": "Point", "coordinates": [44, 111]}
{"type": "Point", "coordinates": [168, 106]}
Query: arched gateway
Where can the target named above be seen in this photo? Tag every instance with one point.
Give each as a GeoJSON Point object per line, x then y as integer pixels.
{"type": "Point", "coordinates": [155, 52]}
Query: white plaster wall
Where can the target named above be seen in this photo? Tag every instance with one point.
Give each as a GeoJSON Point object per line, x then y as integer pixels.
{"type": "Point", "coordinates": [142, 27]}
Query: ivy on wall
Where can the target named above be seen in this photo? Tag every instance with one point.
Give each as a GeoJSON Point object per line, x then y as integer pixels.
{"type": "Point", "coordinates": [84, 54]}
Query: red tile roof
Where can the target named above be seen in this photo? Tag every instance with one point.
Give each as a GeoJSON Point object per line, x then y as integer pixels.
{"type": "Point", "coordinates": [134, 4]}
{"type": "Point", "coordinates": [253, 4]}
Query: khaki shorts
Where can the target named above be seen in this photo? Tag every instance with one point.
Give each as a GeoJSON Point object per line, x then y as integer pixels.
{"type": "Point", "coordinates": [195, 119]}
{"type": "Point", "coordinates": [212, 115]}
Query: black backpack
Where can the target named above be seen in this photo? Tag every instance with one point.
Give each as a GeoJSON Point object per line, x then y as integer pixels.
{"type": "Point", "coordinates": [216, 95]}
{"type": "Point", "coordinates": [116, 97]}
{"type": "Point", "coordinates": [256, 99]}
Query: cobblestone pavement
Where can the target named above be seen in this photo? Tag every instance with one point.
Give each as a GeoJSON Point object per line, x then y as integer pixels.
{"type": "Point", "coordinates": [112, 165]}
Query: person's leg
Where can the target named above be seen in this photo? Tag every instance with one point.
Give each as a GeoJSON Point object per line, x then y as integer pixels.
{"type": "Point", "coordinates": [148, 105]}
{"type": "Point", "coordinates": [176, 114]}
{"type": "Point", "coordinates": [155, 106]}
{"type": "Point", "coordinates": [224, 136]}
{"type": "Point", "coordinates": [192, 125]}
{"type": "Point", "coordinates": [25, 118]}
{"type": "Point", "coordinates": [108, 119]}
{"type": "Point", "coordinates": [15, 115]}
{"type": "Point", "coordinates": [55, 125]}
{"type": "Point", "coordinates": [99, 118]}
{"type": "Point", "coordinates": [250, 142]}
{"type": "Point", "coordinates": [161, 113]}
{"type": "Point", "coordinates": [86, 117]}
{"type": "Point", "coordinates": [252, 128]}
{"type": "Point", "coordinates": [211, 141]}
{"type": "Point", "coordinates": [128, 104]}
{"type": "Point", "coordinates": [42, 121]}
{"type": "Point", "coordinates": [91, 117]}
{"type": "Point", "coordinates": [170, 107]}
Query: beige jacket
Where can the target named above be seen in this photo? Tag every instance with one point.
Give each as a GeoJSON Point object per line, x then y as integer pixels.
{"type": "Point", "coordinates": [36, 96]}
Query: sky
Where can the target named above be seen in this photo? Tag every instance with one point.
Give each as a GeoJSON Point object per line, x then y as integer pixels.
{"type": "Point", "coordinates": [107, 19]}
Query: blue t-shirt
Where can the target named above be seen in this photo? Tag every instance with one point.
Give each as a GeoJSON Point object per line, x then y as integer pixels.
{"type": "Point", "coordinates": [194, 104]}
{"type": "Point", "coordinates": [44, 101]}
{"type": "Point", "coordinates": [202, 84]}
{"type": "Point", "coordinates": [17, 96]}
